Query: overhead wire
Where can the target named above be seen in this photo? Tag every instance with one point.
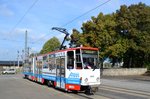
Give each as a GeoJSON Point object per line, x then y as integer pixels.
{"type": "Point", "coordinates": [69, 22]}
{"type": "Point", "coordinates": [20, 20]}
{"type": "Point", "coordinates": [23, 16]}
{"type": "Point", "coordinates": [77, 18]}
{"type": "Point", "coordinates": [85, 13]}
{"type": "Point", "coordinates": [12, 40]}
{"type": "Point", "coordinates": [40, 38]}
{"type": "Point", "coordinates": [33, 4]}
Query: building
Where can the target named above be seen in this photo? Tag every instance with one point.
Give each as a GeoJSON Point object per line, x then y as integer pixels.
{"type": "Point", "coordinates": [10, 64]}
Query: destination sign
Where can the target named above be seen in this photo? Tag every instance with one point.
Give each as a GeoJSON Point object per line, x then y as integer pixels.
{"type": "Point", "coordinates": [89, 52]}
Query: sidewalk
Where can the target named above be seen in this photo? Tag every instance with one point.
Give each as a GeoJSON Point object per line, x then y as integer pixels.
{"type": "Point", "coordinates": [144, 77]}
{"type": "Point", "coordinates": [138, 77]}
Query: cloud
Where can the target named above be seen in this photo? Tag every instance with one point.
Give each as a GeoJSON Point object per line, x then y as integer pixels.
{"type": "Point", "coordinates": [35, 49]}
{"type": "Point", "coordinates": [38, 37]}
{"type": "Point", "coordinates": [33, 36]}
{"type": "Point", "coordinates": [18, 33]}
{"type": "Point", "coordinates": [5, 10]}
{"type": "Point", "coordinates": [22, 30]}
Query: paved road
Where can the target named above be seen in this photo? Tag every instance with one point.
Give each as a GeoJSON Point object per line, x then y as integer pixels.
{"type": "Point", "coordinates": [15, 87]}
{"type": "Point", "coordinates": [128, 83]}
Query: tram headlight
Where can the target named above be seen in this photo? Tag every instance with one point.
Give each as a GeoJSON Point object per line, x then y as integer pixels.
{"type": "Point", "coordinates": [86, 79]}
{"type": "Point", "coordinates": [97, 79]}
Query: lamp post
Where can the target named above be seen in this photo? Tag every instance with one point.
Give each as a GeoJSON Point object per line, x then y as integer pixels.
{"type": "Point", "coordinates": [124, 34]}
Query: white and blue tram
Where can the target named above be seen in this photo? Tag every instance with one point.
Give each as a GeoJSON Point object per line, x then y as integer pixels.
{"type": "Point", "coordinates": [72, 69]}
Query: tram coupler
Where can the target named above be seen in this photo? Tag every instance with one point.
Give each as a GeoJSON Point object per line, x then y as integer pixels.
{"type": "Point", "coordinates": [94, 89]}
{"type": "Point", "coordinates": [89, 91]}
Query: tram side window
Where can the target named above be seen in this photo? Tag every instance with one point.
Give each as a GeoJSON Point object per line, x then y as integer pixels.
{"type": "Point", "coordinates": [45, 62]}
{"type": "Point", "coordinates": [51, 63]}
{"type": "Point", "coordinates": [62, 65]}
{"type": "Point", "coordinates": [45, 66]}
{"type": "Point", "coordinates": [58, 63]}
{"type": "Point", "coordinates": [78, 59]}
{"type": "Point", "coordinates": [39, 63]}
{"type": "Point", "coordinates": [70, 60]}
{"type": "Point", "coordinates": [78, 62]}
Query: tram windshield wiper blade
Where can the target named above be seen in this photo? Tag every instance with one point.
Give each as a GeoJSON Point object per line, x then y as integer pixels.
{"type": "Point", "coordinates": [94, 67]}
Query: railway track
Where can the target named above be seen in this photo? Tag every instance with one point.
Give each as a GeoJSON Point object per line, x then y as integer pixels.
{"type": "Point", "coordinates": [109, 92]}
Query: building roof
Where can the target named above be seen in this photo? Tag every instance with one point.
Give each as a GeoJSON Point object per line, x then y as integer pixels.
{"type": "Point", "coordinates": [10, 63]}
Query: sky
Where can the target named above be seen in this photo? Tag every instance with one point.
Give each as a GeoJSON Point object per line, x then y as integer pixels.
{"type": "Point", "coordinates": [39, 16]}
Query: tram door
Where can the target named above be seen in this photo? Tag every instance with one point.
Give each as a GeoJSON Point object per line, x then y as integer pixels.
{"type": "Point", "coordinates": [60, 72]}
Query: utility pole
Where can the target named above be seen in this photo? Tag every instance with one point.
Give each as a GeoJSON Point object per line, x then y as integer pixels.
{"type": "Point", "coordinates": [22, 56]}
{"type": "Point", "coordinates": [29, 49]}
{"type": "Point", "coordinates": [26, 48]}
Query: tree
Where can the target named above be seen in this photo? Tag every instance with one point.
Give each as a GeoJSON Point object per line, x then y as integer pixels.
{"type": "Point", "coordinates": [51, 45]}
{"type": "Point", "coordinates": [136, 20]}
{"type": "Point", "coordinates": [100, 32]}
{"type": "Point", "coordinates": [123, 34]}
{"type": "Point", "coordinates": [74, 40]}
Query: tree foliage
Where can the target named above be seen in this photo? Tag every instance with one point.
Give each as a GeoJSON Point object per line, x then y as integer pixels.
{"type": "Point", "coordinates": [124, 34]}
{"type": "Point", "coordinates": [135, 19]}
{"type": "Point", "coordinates": [51, 45]}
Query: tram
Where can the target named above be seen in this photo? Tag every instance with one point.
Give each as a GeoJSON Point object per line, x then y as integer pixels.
{"type": "Point", "coordinates": [72, 69]}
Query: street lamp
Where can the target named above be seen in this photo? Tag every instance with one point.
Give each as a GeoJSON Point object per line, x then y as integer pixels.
{"type": "Point", "coordinates": [124, 32]}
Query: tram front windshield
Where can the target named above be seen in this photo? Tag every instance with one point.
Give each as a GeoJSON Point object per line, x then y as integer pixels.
{"type": "Point", "coordinates": [90, 59]}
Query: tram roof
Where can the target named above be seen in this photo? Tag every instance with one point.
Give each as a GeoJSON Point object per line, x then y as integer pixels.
{"type": "Point", "coordinates": [70, 49]}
